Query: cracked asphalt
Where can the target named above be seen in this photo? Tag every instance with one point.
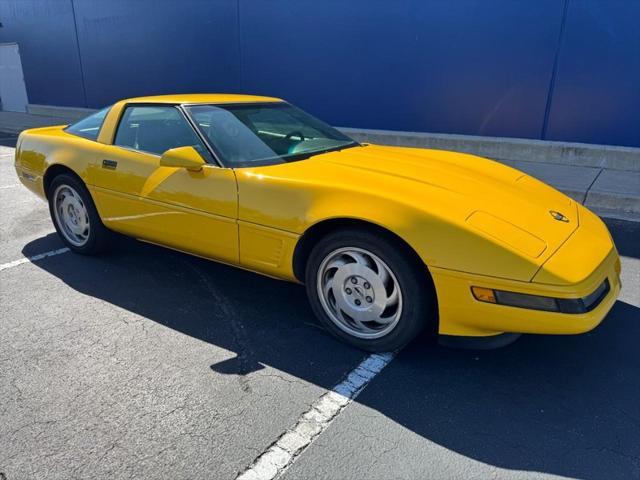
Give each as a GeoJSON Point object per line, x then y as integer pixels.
{"type": "Point", "coordinates": [147, 363]}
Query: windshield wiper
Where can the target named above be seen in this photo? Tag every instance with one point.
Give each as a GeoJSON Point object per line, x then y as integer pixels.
{"type": "Point", "coordinates": [303, 155]}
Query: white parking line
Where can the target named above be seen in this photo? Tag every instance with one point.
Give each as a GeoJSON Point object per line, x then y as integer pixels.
{"type": "Point", "coordinates": [284, 451]}
{"type": "Point", "coordinates": [9, 186]}
{"type": "Point", "coordinates": [34, 258]}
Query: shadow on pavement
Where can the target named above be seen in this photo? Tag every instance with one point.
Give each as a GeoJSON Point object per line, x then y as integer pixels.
{"type": "Point", "coordinates": [561, 405]}
{"type": "Point", "coordinates": [264, 321]}
{"type": "Point", "coordinates": [8, 140]}
{"type": "Point", "coordinates": [626, 236]}
{"type": "Point", "coordinates": [564, 405]}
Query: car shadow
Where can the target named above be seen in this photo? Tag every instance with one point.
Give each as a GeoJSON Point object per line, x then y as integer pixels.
{"type": "Point", "coordinates": [565, 405]}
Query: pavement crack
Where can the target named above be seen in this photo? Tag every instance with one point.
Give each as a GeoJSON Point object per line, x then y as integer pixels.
{"type": "Point", "coordinates": [32, 424]}
{"type": "Point", "coordinates": [280, 377]}
{"type": "Point", "coordinates": [20, 397]}
{"type": "Point", "coordinates": [586, 193]}
{"type": "Point", "coordinates": [379, 456]}
{"type": "Point", "coordinates": [244, 355]}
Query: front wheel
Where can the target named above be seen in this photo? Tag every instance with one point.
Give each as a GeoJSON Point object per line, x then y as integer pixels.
{"type": "Point", "coordinates": [368, 291]}
{"type": "Point", "coordinates": [75, 216]}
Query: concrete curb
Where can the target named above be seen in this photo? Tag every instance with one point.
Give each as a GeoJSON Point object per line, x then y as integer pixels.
{"type": "Point", "coordinates": [69, 114]}
{"type": "Point", "coordinates": [629, 214]}
{"type": "Point", "coordinates": [604, 178]}
{"type": "Point", "coordinates": [499, 148]}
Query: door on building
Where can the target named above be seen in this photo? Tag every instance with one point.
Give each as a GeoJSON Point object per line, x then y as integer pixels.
{"type": "Point", "coordinates": [13, 93]}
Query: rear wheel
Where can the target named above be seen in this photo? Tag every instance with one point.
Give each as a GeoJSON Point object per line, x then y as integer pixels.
{"type": "Point", "coordinates": [75, 216]}
{"type": "Point", "coordinates": [368, 291]}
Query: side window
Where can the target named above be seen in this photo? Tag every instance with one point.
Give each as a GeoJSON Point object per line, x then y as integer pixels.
{"type": "Point", "coordinates": [156, 129]}
{"type": "Point", "coordinates": [89, 127]}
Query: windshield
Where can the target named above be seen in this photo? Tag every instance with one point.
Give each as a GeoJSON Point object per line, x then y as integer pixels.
{"type": "Point", "coordinates": [264, 134]}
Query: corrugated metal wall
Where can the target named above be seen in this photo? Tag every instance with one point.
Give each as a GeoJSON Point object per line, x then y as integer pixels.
{"type": "Point", "coordinates": [552, 69]}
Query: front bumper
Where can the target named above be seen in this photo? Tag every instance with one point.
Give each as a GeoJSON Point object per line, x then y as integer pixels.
{"type": "Point", "coordinates": [461, 314]}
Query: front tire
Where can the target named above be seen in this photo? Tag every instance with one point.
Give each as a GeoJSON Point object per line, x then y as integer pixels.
{"type": "Point", "coordinates": [368, 290]}
{"type": "Point", "coordinates": [75, 217]}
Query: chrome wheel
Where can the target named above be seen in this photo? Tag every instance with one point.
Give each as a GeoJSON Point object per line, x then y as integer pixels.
{"type": "Point", "coordinates": [359, 292]}
{"type": "Point", "coordinates": [71, 215]}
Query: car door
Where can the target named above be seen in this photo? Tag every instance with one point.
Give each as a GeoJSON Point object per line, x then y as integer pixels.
{"type": "Point", "coordinates": [190, 211]}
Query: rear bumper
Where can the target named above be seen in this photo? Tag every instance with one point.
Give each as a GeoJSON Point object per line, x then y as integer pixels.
{"type": "Point", "coordinates": [461, 314]}
{"type": "Point", "coordinates": [31, 180]}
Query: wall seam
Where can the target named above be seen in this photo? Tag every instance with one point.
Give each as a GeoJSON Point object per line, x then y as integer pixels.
{"type": "Point", "coordinates": [554, 71]}
{"type": "Point", "coordinates": [75, 29]}
{"type": "Point", "coordinates": [239, 46]}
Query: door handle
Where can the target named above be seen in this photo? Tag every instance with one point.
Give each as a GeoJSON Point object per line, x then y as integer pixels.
{"type": "Point", "coordinates": [109, 164]}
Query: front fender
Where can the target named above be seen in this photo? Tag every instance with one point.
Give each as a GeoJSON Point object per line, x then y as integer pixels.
{"type": "Point", "coordinates": [447, 242]}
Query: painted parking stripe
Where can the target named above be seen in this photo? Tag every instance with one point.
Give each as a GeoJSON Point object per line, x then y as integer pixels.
{"type": "Point", "coordinates": [9, 186]}
{"type": "Point", "coordinates": [34, 258]}
{"type": "Point", "coordinates": [284, 451]}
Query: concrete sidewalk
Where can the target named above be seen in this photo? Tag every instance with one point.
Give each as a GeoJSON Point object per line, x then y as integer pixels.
{"type": "Point", "coordinates": [609, 193]}
{"type": "Point", "coordinates": [605, 179]}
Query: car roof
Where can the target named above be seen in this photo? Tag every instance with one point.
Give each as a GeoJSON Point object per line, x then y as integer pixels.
{"type": "Point", "coordinates": [203, 98]}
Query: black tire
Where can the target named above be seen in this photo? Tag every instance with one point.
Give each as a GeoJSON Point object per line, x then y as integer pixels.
{"type": "Point", "coordinates": [419, 308]}
{"type": "Point", "coordinates": [99, 237]}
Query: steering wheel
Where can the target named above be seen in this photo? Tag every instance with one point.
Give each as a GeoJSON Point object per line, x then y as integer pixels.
{"type": "Point", "coordinates": [296, 133]}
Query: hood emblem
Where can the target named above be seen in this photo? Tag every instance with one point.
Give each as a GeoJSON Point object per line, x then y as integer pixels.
{"type": "Point", "coordinates": [558, 216]}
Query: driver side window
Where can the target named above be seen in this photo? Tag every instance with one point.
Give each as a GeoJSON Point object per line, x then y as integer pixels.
{"type": "Point", "coordinates": [156, 129]}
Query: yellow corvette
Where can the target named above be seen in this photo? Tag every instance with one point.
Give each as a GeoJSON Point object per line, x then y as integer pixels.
{"type": "Point", "coordinates": [387, 240]}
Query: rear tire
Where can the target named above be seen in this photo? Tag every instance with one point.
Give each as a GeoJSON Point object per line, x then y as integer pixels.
{"type": "Point", "coordinates": [75, 217]}
{"type": "Point", "coordinates": [368, 291]}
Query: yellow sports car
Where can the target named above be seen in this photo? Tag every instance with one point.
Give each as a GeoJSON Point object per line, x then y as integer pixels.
{"type": "Point", "coordinates": [388, 240]}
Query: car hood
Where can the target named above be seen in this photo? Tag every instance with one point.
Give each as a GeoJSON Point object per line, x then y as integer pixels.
{"type": "Point", "coordinates": [489, 197]}
{"type": "Point", "coordinates": [458, 212]}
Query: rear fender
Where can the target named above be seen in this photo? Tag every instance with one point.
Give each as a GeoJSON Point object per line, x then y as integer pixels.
{"type": "Point", "coordinates": [41, 148]}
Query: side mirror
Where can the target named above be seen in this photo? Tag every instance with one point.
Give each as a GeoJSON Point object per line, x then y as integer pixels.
{"type": "Point", "coordinates": [182, 157]}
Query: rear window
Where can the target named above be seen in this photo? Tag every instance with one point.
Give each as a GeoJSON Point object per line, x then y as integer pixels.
{"type": "Point", "coordinates": [89, 127]}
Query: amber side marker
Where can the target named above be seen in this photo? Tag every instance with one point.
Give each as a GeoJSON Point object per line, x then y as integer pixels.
{"type": "Point", "coordinates": [483, 294]}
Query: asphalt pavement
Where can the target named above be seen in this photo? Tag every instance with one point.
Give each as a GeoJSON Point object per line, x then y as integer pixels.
{"type": "Point", "coordinates": [149, 363]}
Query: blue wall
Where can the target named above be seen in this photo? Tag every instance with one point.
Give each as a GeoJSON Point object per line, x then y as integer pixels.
{"type": "Point", "coordinates": [551, 69]}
